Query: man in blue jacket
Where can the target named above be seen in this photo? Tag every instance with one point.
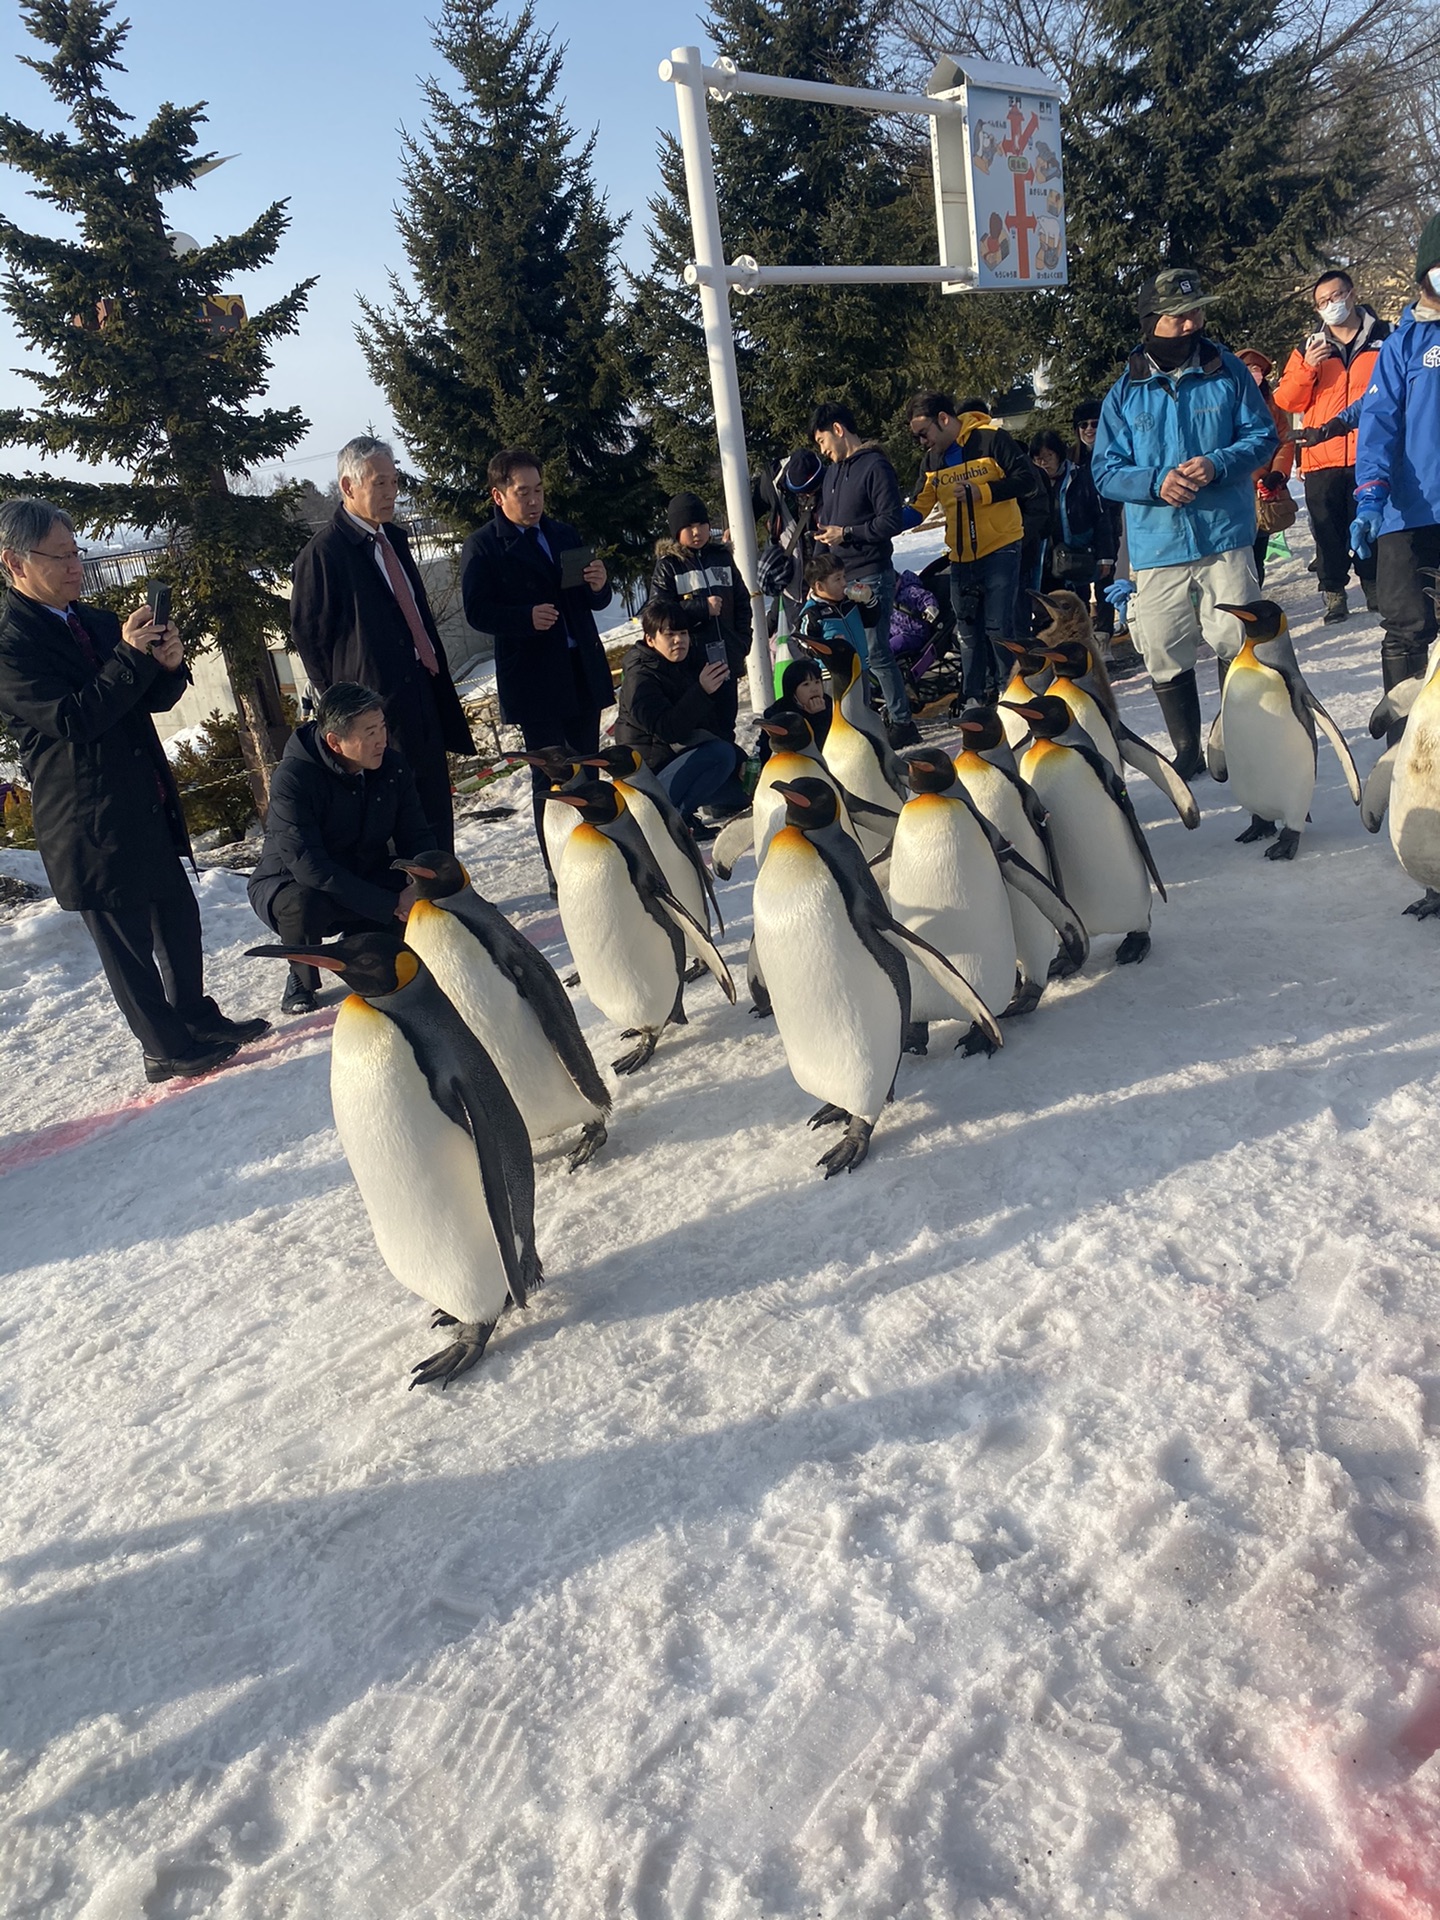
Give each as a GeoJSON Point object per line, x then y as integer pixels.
{"type": "Point", "coordinates": [551, 674]}
{"type": "Point", "coordinates": [1182, 433]}
{"type": "Point", "coordinates": [1397, 472]}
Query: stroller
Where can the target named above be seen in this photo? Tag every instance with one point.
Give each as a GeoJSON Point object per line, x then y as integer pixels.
{"type": "Point", "coordinates": [924, 641]}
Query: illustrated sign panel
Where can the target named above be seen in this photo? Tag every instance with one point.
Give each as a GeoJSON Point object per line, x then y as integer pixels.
{"type": "Point", "coordinates": [1017, 188]}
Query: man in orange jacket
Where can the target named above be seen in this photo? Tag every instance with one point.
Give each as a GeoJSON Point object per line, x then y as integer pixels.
{"type": "Point", "coordinates": [1325, 375]}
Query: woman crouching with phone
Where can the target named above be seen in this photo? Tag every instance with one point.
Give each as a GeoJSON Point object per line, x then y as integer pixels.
{"type": "Point", "coordinates": [677, 709]}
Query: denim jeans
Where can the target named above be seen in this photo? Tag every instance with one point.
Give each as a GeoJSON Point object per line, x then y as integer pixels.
{"type": "Point", "coordinates": [702, 776]}
{"type": "Point", "coordinates": [982, 593]}
{"type": "Point", "coordinates": [882, 661]}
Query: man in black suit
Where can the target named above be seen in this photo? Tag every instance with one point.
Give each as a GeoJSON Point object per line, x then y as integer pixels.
{"type": "Point", "coordinates": [79, 690]}
{"type": "Point", "coordinates": [551, 675]}
{"type": "Point", "coordinates": [358, 614]}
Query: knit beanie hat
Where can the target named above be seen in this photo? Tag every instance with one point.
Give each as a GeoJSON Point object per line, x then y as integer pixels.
{"type": "Point", "coordinates": [1427, 254]}
{"type": "Point", "coordinates": [687, 510]}
{"type": "Point", "coordinates": [1087, 410]}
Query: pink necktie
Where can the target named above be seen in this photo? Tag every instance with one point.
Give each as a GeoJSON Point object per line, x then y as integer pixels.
{"type": "Point", "coordinates": [405, 599]}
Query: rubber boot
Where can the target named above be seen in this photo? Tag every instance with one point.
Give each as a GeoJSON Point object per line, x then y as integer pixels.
{"type": "Point", "coordinates": [1180, 708]}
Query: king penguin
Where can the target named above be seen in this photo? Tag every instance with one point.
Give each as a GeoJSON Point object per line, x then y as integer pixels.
{"type": "Point", "coordinates": [1405, 781]}
{"type": "Point", "coordinates": [625, 927]}
{"type": "Point", "coordinates": [435, 1142]}
{"type": "Point", "coordinates": [562, 768]}
{"type": "Point", "coordinates": [510, 997]}
{"type": "Point", "coordinates": [1081, 681]}
{"type": "Point", "coordinates": [669, 839]}
{"type": "Point", "coordinates": [1031, 676]}
{"type": "Point", "coordinates": [835, 961]}
{"type": "Point", "coordinates": [856, 748]}
{"type": "Point", "coordinates": [951, 875]}
{"type": "Point", "coordinates": [1101, 847]}
{"type": "Point", "coordinates": [986, 769]}
{"type": "Point", "coordinates": [1263, 739]}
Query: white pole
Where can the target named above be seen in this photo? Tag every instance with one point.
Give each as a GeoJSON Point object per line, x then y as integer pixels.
{"type": "Point", "coordinates": [687, 73]}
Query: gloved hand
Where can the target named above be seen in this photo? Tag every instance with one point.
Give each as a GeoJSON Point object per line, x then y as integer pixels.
{"type": "Point", "coordinates": [1118, 592]}
{"type": "Point", "coordinates": [1364, 532]}
{"type": "Point", "coordinates": [1271, 483]}
{"type": "Point", "coordinates": [1309, 436]}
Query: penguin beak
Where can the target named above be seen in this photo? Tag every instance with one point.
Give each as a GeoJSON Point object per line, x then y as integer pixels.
{"type": "Point", "coordinates": [795, 799]}
{"type": "Point", "coordinates": [969, 726]}
{"type": "Point", "coordinates": [575, 800]}
{"type": "Point", "coordinates": [415, 873]}
{"type": "Point", "coordinates": [307, 956]}
{"type": "Point", "coordinates": [1044, 600]}
{"type": "Point", "coordinates": [775, 728]}
{"type": "Point", "coordinates": [1240, 613]}
{"type": "Point", "coordinates": [1055, 659]}
{"type": "Point", "coordinates": [1025, 712]}
{"type": "Point", "coordinates": [1015, 646]}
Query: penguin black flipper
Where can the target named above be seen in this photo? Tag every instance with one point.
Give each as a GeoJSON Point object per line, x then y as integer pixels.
{"type": "Point", "coordinates": [1115, 787]}
{"type": "Point", "coordinates": [662, 906]}
{"type": "Point", "coordinates": [1394, 707]}
{"type": "Point", "coordinates": [1018, 874]}
{"type": "Point", "coordinates": [470, 1091]}
{"type": "Point", "coordinates": [685, 843]}
{"type": "Point", "coordinates": [865, 904]}
{"type": "Point", "coordinates": [1337, 740]}
{"type": "Point", "coordinates": [1377, 790]}
{"type": "Point", "coordinates": [1215, 764]}
{"type": "Point", "coordinates": [945, 975]}
{"type": "Point", "coordinates": [1139, 754]}
{"type": "Point", "coordinates": [734, 840]}
{"type": "Point", "coordinates": [538, 984]}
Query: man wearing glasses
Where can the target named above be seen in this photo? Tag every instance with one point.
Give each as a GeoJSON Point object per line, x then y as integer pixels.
{"type": "Point", "coordinates": [79, 690]}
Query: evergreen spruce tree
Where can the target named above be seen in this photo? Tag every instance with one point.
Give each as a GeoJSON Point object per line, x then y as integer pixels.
{"type": "Point", "coordinates": [133, 376]}
{"type": "Point", "coordinates": [812, 185]}
{"type": "Point", "coordinates": [511, 336]}
{"type": "Point", "coordinates": [1193, 138]}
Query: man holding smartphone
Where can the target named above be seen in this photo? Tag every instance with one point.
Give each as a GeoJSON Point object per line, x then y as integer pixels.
{"type": "Point", "coordinates": [80, 689]}
{"type": "Point", "coordinates": [674, 713]}
{"type": "Point", "coordinates": [530, 583]}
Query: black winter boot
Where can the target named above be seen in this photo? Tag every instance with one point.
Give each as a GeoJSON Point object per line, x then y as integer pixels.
{"type": "Point", "coordinates": [1399, 660]}
{"type": "Point", "coordinates": [1180, 707]}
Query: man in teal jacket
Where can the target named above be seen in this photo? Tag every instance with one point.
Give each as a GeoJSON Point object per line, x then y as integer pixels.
{"type": "Point", "coordinates": [1397, 473]}
{"type": "Point", "coordinates": [1182, 433]}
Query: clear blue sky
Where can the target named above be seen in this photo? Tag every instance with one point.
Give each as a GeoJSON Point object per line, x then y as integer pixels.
{"type": "Point", "coordinates": [311, 95]}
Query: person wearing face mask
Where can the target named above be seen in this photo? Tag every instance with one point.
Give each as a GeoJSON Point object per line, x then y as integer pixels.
{"type": "Point", "coordinates": [1397, 472]}
{"type": "Point", "coordinates": [1324, 377]}
{"type": "Point", "coordinates": [1182, 432]}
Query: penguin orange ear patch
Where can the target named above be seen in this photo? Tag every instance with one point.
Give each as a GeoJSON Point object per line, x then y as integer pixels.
{"type": "Point", "coordinates": [406, 966]}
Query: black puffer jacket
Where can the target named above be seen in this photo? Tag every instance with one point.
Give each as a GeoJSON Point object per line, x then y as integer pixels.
{"type": "Point", "coordinates": [664, 708]}
{"type": "Point", "coordinates": [691, 576]}
{"type": "Point", "coordinates": [334, 831]}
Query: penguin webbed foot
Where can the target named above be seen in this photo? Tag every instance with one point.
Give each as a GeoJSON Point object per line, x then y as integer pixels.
{"type": "Point", "coordinates": [828, 1116]}
{"type": "Point", "coordinates": [1132, 949]}
{"type": "Point", "coordinates": [1427, 908]}
{"type": "Point", "coordinates": [1285, 847]}
{"type": "Point", "coordinates": [631, 1062]}
{"type": "Point", "coordinates": [695, 971]}
{"type": "Point", "coordinates": [1027, 998]}
{"type": "Point", "coordinates": [975, 1041]}
{"type": "Point", "coordinates": [571, 980]}
{"type": "Point", "coordinates": [462, 1354]}
{"type": "Point", "coordinates": [849, 1151]}
{"type": "Point", "coordinates": [439, 1318]}
{"type": "Point", "coordinates": [916, 1038]}
{"type": "Point", "coordinates": [593, 1136]}
{"type": "Point", "coordinates": [1258, 829]}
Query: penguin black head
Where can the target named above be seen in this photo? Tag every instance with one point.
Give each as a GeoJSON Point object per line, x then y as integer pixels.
{"type": "Point", "coordinates": [809, 804]}
{"type": "Point", "coordinates": [981, 728]}
{"type": "Point", "coordinates": [1047, 714]}
{"type": "Point", "coordinates": [1069, 619]}
{"type": "Point", "coordinates": [594, 801]}
{"type": "Point", "coordinates": [1028, 659]}
{"type": "Point", "coordinates": [1262, 619]}
{"type": "Point", "coordinates": [931, 770]}
{"type": "Point", "coordinates": [618, 762]}
{"type": "Point", "coordinates": [436, 874]}
{"type": "Point", "coordinates": [834, 649]}
{"type": "Point", "coordinates": [791, 732]}
{"type": "Point", "coordinates": [558, 764]}
{"type": "Point", "coordinates": [1069, 657]}
{"type": "Point", "coordinates": [370, 964]}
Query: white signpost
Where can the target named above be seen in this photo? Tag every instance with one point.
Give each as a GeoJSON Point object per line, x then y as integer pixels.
{"type": "Point", "coordinates": [1002, 231]}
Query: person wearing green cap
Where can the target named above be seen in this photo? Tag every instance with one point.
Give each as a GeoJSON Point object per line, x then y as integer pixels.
{"type": "Point", "coordinates": [1397, 473]}
{"type": "Point", "coordinates": [1182, 432]}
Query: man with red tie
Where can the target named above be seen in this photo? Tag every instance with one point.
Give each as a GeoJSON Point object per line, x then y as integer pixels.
{"type": "Point", "coordinates": [358, 613]}
{"type": "Point", "coordinates": [79, 690]}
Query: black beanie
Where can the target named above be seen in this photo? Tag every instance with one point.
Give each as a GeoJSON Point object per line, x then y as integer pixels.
{"type": "Point", "coordinates": [1087, 410]}
{"type": "Point", "coordinates": [1427, 254]}
{"type": "Point", "coordinates": [686, 510]}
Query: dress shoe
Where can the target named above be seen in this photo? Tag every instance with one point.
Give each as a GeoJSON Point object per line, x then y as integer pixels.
{"type": "Point", "coordinates": [213, 1028]}
{"type": "Point", "coordinates": [189, 1066]}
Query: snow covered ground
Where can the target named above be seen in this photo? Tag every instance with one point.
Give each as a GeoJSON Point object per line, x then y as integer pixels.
{"type": "Point", "coordinates": [1040, 1522]}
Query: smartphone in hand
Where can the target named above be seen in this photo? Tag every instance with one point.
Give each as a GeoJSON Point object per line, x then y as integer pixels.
{"type": "Point", "coordinates": [715, 655]}
{"type": "Point", "coordinates": [157, 595]}
{"type": "Point", "coordinates": [573, 563]}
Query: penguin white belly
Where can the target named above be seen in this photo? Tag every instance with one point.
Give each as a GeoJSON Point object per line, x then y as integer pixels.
{"type": "Point", "coordinates": [680, 876]}
{"type": "Point", "coordinates": [417, 1171]}
{"type": "Point", "coordinates": [504, 1023]}
{"type": "Point", "coordinates": [851, 759]}
{"type": "Point", "coordinates": [945, 885]}
{"type": "Point", "coordinates": [838, 1014]}
{"type": "Point", "coordinates": [1016, 693]}
{"type": "Point", "coordinates": [1036, 941]}
{"type": "Point", "coordinates": [557, 823]}
{"type": "Point", "coordinates": [1104, 877]}
{"type": "Point", "coordinates": [1091, 716]}
{"type": "Point", "coordinates": [625, 960]}
{"type": "Point", "coordinates": [1269, 754]}
{"type": "Point", "coordinates": [1415, 793]}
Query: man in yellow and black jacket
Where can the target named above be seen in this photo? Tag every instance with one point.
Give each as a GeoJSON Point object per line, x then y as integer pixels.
{"type": "Point", "coordinates": [981, 478]}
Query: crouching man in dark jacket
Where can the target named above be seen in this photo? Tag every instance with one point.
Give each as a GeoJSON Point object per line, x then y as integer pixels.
{"type": "Point", "coordinates": [343, 806]}
{"type": "Point", "coordinates": [79, 690]}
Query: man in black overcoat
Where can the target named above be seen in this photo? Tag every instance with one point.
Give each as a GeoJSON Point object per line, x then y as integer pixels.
{"type": "Point", "coordinates": [551, 675]}
{"type": "Point", "coordinates": [359, 614]}
{"type": "Point", "coordinates": [79, 691]}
